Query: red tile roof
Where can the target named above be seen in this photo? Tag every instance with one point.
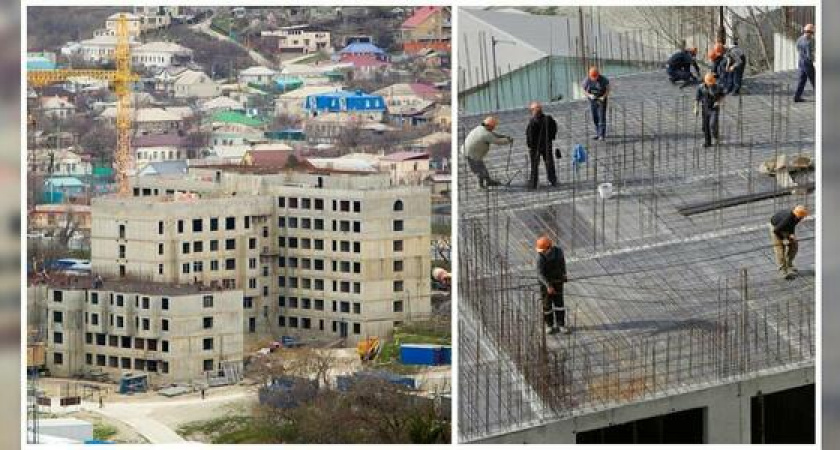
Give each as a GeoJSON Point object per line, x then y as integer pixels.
{"type": "Point", "coordinates": [420, 15]}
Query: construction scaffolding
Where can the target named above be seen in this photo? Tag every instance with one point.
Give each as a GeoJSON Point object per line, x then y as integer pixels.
{"type": "Point", "coordinates": [672, 281]}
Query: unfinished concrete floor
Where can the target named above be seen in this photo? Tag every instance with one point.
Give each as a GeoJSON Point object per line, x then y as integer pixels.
{"type": "Point", "coordinates": [658, 301]}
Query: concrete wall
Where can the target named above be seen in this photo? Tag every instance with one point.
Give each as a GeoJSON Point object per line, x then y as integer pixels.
{"type": "Point", "coordinates": [281, 257]}
{"type": "Point", "coordinates": [727, 411]}
{"type": "Point", "coordinates": [131, 326]}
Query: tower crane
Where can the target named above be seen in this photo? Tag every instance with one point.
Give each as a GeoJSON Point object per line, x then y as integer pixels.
{"type": "Point", "coordinates": [121, 78]}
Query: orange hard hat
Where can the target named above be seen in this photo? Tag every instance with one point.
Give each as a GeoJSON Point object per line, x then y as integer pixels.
{"type": "Point", "coordinates": [712, 55]}
{"type": "Point", "coordinates": [709, 79]}
{"type": "Point", "coordinates": [719, 48]}
{"type": "Point", "coordinates": [543, 244]}
{"type": "Point", "coordinates": [490, 122]}
{"type": "Point", "coordinates": [800, 211]}
{"type": "Point", "coordinates": [593, 73]}
{"type": "Point", "coordinates": [809, 28]}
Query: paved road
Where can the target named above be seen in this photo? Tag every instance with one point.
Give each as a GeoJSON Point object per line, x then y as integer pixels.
{"type": "Point", "coordinates": [146, 417]}
{"type": "Point", "coordinates": [204, 27]}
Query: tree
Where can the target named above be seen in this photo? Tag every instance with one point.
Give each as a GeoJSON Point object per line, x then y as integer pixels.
{"type": "Point", "coordinates": [100, 142]}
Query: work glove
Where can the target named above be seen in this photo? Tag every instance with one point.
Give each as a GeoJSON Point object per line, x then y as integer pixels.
{"type": "Point", "coordinates": [557, 153]}
{"type": "Point", "coordinates": [696, 111]}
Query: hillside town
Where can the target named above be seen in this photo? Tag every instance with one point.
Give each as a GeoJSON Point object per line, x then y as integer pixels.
{"type": "Point", "coordinates": [238, 206]}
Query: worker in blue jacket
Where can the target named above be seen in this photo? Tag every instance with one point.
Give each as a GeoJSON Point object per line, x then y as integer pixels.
{"type": "Point", "coordinates": [806, 46]}
{"type": "Point", "coordinates": [596, 87]}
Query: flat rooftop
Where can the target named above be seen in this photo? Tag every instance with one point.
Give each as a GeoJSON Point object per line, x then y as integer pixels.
{"type": "Point", "coordinates": [661, 299]}
{"type": "Point", "coordinates": [73, 282]}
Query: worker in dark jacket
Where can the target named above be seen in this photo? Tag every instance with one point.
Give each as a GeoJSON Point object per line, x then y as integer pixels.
{"type": "Point", "coordinates": [680, 64]}
{"type": "Point", "coordinates": [596, 87]}
{"type": "Point", "coordinates": [736, 62]}
{"type": "Point", "coordinates": [709, 97]}
{"type": "Point", "coordinates": [782, 235]}
{"type": "Point", "coordinates": [541, 131]}
{"type": "Point", "coordinates": [551, 270]}
{"type": "Point", "coordinates": [806, 48]}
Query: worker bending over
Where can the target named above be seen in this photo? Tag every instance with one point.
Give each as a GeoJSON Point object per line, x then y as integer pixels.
{"type": "Point", "coordinates": [596, 87]}
{"type": "Point", "coordinates": [541, 131]}
{"type": "Point", "coordinates": [551, 270]}
{"type": "Point", "coordinates": [782, 235]}
{"type": "Point", "coordinates": [736, 62]}
{"type": "Point", "coordinates": [477, 145]}
{"type": "Point", "coordinates": [709, 97]}
{"type": "Point", "coordinates": [680, 64]}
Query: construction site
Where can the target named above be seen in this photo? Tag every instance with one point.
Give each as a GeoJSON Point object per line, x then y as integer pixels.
{"type": "Point", "coordinates": [681, 329]}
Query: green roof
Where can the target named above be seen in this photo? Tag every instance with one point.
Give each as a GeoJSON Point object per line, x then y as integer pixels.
{"type": "Point", "coordinates": [234, 117]}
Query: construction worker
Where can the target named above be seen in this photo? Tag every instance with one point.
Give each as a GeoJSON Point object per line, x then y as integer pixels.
{"type": "Point", "coordinates": [709, 96]}
{"type": "Point", "coordinates": [782, 229]}
{"type": "Point", "coordinates": [806, 46]}
{"type": "Point", "coordinates": [736, 62]}
{"type": "Point", "coordinates": [716, 62]}
{"type": "Point", "coordinates": [679, 67]}
{"type": "Point", "coordinates": [541, 131]}
{"type": "Point", "coordinates": [477, 145]}
{"type": "Point", "coordinates": [551, 271]}
{"type": "Point", "coordinates": [596, 87]}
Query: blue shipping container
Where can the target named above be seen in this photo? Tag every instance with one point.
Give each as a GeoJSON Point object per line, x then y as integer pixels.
{"type": "Point", "coordinates": [421, 354]}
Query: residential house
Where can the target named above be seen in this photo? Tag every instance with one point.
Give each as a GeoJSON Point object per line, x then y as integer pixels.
{"type": "Point", "coordinates": [299, 39]}
{"type": "Point", "coordinates": [366, 67]}
{"type": "Point", "coordinates": [149, 120]}
{"type": "Point", "coordinates": [158, 147]}
{"type": "Point", "coordinates": [258, 75]}
{"type": "Point", "coordinates": [100, 49]}
{"type": "Point", "coordinates": [192, 84]}
{"type": "Point", "coordinates": [362, 49]}
{"type": "Point", "coordinates": [156, 17]}
{"type": "Point", "coordinates": [222, 103]}
{"type": "Point", "coordinates": [406, 167]}
{"type": "Point", "coordinates": [57, 107]}
{"type": "Point", "coordinates": [51, 217]}
{"type": "Point", "coordinates": [346, 103]}
{"type": "Point", "coordinates": [62, 189]}
{"type": "Point", "coordinates": [408, 102]}
{"type": "Point", "coordinates": [428, 28]}
{"type": "Point", "coordinates": [293, 103]}
{"type": "Point", "coordinates": [161, 54]}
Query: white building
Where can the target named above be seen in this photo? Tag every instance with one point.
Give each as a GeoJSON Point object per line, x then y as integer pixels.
{"type": "Point", "coordinates": [101, 49]}
{"type": "Point", "coordinates": [57, 107]}
{"type": "Point", "coordinates": [160, 54]}
{"type": "Point", "coordinates": [194, 84]}
{"type": "Point", "coordinates": [292, 102]}
{"type": "Point", "coordinates": [173, 333]}
{"type": "Point", "coordinates": [300, 39]}
{"type": "Point", "coordinates": [321, 254]}
{"type": "Point", "coordinates": [257, 75]}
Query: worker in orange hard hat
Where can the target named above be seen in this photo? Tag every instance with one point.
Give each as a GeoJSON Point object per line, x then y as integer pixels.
{"type": "Point", "coordinates": [782, 235]}
{"type": "Point", "coordinates": [596, 87]}
{"type": "Point", "coordinates": [806, 47]}
{"type": "Point", "coordinates": [709, 98]}
{"type": "Point", "coordinates": [551, 271]}
{"type": "Point", "coordinates": [679, 67]}
{"type": "Point", "coordinates": [716, 60]}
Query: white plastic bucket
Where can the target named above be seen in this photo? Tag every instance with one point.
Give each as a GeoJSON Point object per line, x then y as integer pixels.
{"type": "Point", "coordinates": [605, 190]}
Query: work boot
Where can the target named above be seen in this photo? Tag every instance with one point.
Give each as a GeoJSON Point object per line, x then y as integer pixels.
{"type": "Point", "coordinates": [707, 144]}
{"type": "Point", "coordinates": [596, 137]}
{"type": "Point", "coordinates": [553, 330]}
{"type": "Point", "coordinates": [565, 330]}
{"type": "Point", "coordinates": [492, 182]}
{"type": "Point", "coordinates": [798, 100]}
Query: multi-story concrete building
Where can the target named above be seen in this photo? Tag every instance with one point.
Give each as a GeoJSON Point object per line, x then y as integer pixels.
{"type": "Point", "coordinates": [322, 254]}
{"type": "Point", "coordinates": [171, 332]}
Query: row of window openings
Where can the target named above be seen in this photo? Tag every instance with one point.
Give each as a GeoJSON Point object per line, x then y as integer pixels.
{"type": "Point", "coordinates": [198, 246]}
{"type": "Point", "coordinates": [198, 225]}
{"type": "Point", "coordinates": [337, 205]}
{"type": "Point", "coordinates": [139, 302]}
{"type": "Point", "coordinates": [146, 365]}
{"type": "Point", "coordinates": [306, 324]}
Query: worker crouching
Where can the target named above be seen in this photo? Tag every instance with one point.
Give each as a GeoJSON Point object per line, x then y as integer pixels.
{"type": "Point", "coordinates": [782, 235]}
{"type": "Point", "coordinates": [551, 270]}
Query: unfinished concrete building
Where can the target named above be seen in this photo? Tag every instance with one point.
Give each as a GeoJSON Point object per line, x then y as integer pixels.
{"type": "Point", "coordinates": [323, 255]}
{"type": "Point", "coordinates": [174, 333]}
{"type": "Point", "coordinates": [683, 331]}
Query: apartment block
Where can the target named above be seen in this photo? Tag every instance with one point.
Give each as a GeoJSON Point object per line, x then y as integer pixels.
{"type": "Point", "coordinates": [174, 333]}
{"type": "Point", "coordinates": [324, 255]}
